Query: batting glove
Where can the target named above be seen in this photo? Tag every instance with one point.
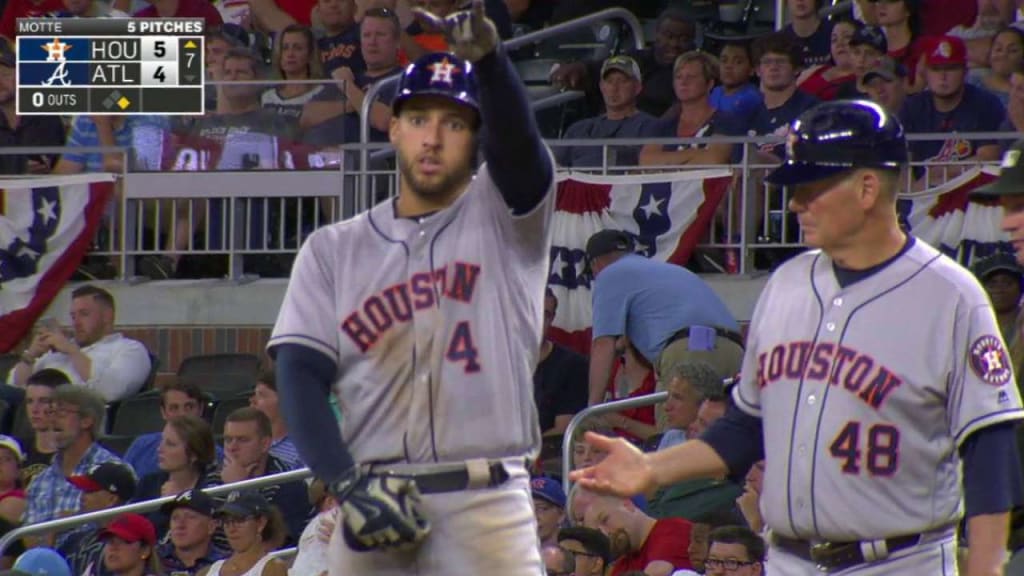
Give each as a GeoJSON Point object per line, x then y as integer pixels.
{"type": "Point", "coordinates": [380, 512]}
{"type": "Point", "coordinates": [471, 35]}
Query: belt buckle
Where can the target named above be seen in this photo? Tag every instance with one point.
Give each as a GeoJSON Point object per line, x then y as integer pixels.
{"type": "Point", "coordinates": [819, 553]}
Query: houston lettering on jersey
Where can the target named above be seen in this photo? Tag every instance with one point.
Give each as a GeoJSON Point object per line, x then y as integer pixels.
{"type": "Point", "coordinates": [380, 312]}
{"type": "Point", "coordinates": [856, 372]}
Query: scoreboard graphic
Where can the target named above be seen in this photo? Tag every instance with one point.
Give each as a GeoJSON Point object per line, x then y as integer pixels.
{"type": "Point", "coordinates": [110, 66]}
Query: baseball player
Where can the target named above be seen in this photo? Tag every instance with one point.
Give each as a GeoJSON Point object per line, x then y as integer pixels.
{"type": "Point", "coordinates": [875, 381]}
{"type": "Point", "coordinates": [423, 316]}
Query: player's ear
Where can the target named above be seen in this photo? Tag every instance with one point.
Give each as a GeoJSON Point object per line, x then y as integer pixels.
{"type": "Point", "coordinates": [393, 130]}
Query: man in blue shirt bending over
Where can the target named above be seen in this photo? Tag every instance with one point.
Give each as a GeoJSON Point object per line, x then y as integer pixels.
{"type": "Point", "coordinates": [669, 314]}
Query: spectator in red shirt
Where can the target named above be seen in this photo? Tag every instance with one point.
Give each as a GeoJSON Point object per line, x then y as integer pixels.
{"type": "Point", "coordinates": [657, 547]}
{"type": "Point", "coordinates": [823, 81]}
{"type": "Point", "coordinates": [15, 9]}
{"type": "Point", "coordinates": [899, 20]}
{"type": "Point", "coordinates": [633, 376]}
{"type": "Point", "coordinates": [273, 16]}
{"type": "Point", "coordinates": [181, 9]}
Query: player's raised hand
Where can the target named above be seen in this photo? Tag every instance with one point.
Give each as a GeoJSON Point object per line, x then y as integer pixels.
{"type": "Point", "coordinates": [471, 34]}
{"type": "Point", "coordinates": [624, 472]}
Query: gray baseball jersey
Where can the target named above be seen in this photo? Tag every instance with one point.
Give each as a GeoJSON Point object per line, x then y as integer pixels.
{"type": "Point", "coordinates": [435, 325]}
{"type": "Point", "coordinates": [866, 393]}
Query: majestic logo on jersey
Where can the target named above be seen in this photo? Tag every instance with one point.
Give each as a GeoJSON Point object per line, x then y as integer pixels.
{"type": "Point", "coordinates": [990, 362]}
{"type": "Point", "coordinates": [856, 372]}
{"type": "Point", "coordinates": [380, 312]}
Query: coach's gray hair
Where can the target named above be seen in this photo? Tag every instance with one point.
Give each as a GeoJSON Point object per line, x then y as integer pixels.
{"type": "Point", "coordinates": [704, 379]}
{"type": "Point", "coordinates": [89, 403]}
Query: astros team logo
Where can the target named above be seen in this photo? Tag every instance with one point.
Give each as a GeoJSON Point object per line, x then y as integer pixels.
{"type": "Point", "coordinates": [443, 71]}
{"type": "Point", "coordinates": [55, 50]}
{"type": "Point", "coordinates": [990, 361]}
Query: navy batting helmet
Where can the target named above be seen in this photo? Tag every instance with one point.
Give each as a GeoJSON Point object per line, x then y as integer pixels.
{"type": "Point", "coordinates": [438, 74]}
{"type": "Point", "coordinates": [837, 136]}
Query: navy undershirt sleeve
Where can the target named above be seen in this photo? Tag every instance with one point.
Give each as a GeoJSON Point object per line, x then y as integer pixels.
{"type": "Point", "coordinates": [992, 470]}
{"type": "Point", "coordinates": [304, 378]}
{"type": "Point", "coordinates": [738, 438]}
{"type": "Point", "coordinates": [516, 157]}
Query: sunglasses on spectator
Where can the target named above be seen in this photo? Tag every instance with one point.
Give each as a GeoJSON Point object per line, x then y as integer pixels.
{"type": "Point", "coordinates": [728, 564]}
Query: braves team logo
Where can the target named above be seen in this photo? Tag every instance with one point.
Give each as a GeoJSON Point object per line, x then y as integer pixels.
{"type": "Point", "coordinates": [990, 361]}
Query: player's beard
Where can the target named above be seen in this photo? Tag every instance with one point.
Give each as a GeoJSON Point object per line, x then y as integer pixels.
{"type": "Point", "coordinates": [445, 186]}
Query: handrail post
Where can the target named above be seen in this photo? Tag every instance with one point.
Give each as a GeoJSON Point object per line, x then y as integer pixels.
{"type": "Point", "coordinates": [146, 506]}
{"type": "Point", "coordinates": [597, 409]}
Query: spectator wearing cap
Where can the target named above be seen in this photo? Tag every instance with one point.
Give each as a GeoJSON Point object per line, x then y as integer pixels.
{"type": "Point", "coordinates": [264, 399]}
{"type": "Point", "coordinates": [1005, 56]}
{"type": "Point", "coordinates": [675, 33]}
{"type": "Point", "coordinates": [549, 508]}
{"type": "Point", "coordinates": [735, 92]}
{"type": "Point", "coordinates": [129, 548]}
{"type": "Point", "coordinates": [39, 562]}
{"type": "Point", "coordinates": [638, 297]}
{"type": "Point", "coordinates": [885, 84]}
{"type": "Point", "coordinates": [12, 494]}
{"type": "Point", "coordinates": [41, 444]}
{"type": "Point", "coordinates": [186, 460]}
{"type": "Point", "coordinates": [79, 413]}
{"type": "Point", "coordinates": [949, 106]}
{"type": "Point", "coordinates": [1002, 278]}
{"type": "Point", "coordinates": [807, 30]}
{"type": "Point", "coordinates": [190, 546]}
{"type": "Point", "coordinates": [620, 84]}
{"type": "Point", "coordinates": [560, 379]}
{"type": "Point", "coordinates": [177, 398]}
{"type": "Point", "coordinates": [824, 80]}
{"type": "Point", "coordinates": [254, 528]}
{"type": "Point", "coordinates": [181, 9]}
{"type": "Point", "coordinates": [867, 48]}
{"type": "Point", "coordinates": [696, 73]}
{"type": "Point", "coordinates": [106, 486]}
{"type": "Point", "coordinates": [590, 549]}
{"type": "Point", "coordinates": [16, 130]}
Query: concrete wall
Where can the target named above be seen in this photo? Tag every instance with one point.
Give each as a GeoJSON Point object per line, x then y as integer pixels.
{"type": "Point", "coordinates": [179, 319]}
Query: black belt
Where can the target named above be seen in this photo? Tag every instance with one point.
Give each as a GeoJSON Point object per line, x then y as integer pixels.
{"type": "Point", "coordinates": [720, 332]}
{"type": "Point", "coordinates": [836, 556]}
{"type": "Point", "coordinates": [449, 480]}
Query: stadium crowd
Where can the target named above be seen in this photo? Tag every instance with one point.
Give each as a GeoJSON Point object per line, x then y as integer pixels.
{"type": "Point", "coordinates": [946, 71]}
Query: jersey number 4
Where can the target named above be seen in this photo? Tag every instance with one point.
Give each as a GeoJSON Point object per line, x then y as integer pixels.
{"type": "Point", "coordinates": [882, 449]}
{"type": "Point", "coordinates": [463, 349]}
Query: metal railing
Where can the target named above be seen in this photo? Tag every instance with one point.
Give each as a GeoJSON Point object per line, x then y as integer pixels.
{"type": "Point", "coordinates": [596, 410]}
{"type": "Point", "coordinates": [147, 506]}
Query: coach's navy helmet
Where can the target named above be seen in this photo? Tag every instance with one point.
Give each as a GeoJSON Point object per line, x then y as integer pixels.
{"type": "Point", "coordinates": [837, 136]}
{"type": "Point", "coordinates": [438, 74]}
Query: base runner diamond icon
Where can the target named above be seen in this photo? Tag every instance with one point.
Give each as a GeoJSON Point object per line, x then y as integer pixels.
{"type": "Point", "coordinates": [124, 103]}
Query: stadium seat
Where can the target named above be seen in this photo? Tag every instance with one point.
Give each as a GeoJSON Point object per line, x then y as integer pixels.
{"type": "Point", "coordinates": [535, 73]}
{"type": "Point", "coordinates": [221, 375]}
{"type": "Point", "coordinates": [116, 444]}
{"type": "Point", "coordinates": [137, 415]}
{"type": "Point", "coordinates": [7, 363]}
{"type": "Point", "coordinates": [154, 366]}
{"type": "Point", "coordinates": [225, 407]}
{"type": "Point", "coordinates": [21, 427]}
